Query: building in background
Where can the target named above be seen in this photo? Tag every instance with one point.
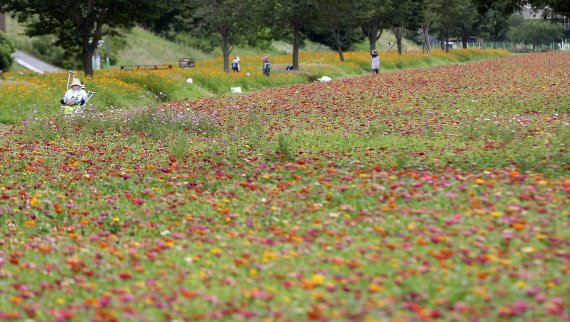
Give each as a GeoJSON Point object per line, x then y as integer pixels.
{"type": "Point", "coordinates": [530, 13]}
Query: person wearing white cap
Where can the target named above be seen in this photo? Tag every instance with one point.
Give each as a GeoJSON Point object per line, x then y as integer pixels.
{"type": "Point", "coordinates": [375, 59]}
{"type": "Point", "coordinates": [76, 95]}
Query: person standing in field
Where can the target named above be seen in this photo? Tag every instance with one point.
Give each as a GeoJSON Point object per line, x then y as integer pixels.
{"type": "Point", "coordinates": [266, 65]}
{"type": "Point", "coordinates": [236, 65]}
{"type": "Point", "coordinates": [375, 59]}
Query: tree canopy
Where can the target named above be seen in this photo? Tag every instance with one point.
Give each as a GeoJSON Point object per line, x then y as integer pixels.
{"type": "Point", "coordinates": [230, 19]}
{"type": "Point", "coordinates": [294, 17]}
{"type": "Point", "coordinates": [78, 24]}
{"type": "Point", "coordinates": [536, 32]}
{"type": "Point", "coordinates": [558, 7]}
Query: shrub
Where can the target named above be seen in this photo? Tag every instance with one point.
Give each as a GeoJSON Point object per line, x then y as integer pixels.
{"type": "Point", "coordinates": [6, 49]}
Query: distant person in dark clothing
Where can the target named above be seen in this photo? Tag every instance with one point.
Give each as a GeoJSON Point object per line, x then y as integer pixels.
{"type": "Point", "coordinates": [236, 65]}
{"type": "Point", "coordinates": [266, 65]}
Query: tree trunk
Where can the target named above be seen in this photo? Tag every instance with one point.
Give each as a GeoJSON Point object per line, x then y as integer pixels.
{"type": "Point", "coordinates": [372, 31]}
{"type": "Point", "coordinates": [464, 41]}
{"type": "Point", "coordinates": [226, 50]}
{"type": "Point", "coordinates": [88, 56]}
{"type": "Point", "coordinates": [90, 45]}
{"type": "Point", "coordinates": [399, 33]}
{"type": "Point", "coordinates": [446, 43]}
{"type": "Point", "coordinates": [425, 35]}
{"type": "Point", "coordinates": [338, 43]}
{"type": "Point", "coordinates": [340, 53]}
{"type": "Point", "coordinates": [296, 45]}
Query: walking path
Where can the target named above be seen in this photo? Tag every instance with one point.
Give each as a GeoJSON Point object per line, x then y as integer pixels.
{"type": "Point", "coordinates": [33, 63]}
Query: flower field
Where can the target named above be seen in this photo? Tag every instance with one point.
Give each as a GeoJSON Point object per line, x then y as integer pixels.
{"type": "Point", "coordinates": [414, 195]}
{"type": "Point", "coordinates": [30, 95]}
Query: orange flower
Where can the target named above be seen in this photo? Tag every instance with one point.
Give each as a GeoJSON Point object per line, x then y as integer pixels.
{"type": "Point", "coordinates": [30, 223]}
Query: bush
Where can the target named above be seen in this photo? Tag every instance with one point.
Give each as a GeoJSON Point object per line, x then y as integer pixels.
{"type": "Point", "coordinates": [537, 32]}
{"type": "Point", "coordinates": [6, 49]}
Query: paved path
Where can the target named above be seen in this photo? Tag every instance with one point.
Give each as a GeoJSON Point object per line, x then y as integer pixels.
{"type": "Point", "coordinates": [33, 64]}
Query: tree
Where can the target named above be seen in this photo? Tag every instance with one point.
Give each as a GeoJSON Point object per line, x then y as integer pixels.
{"type": "Point", "coordinates": [430, 19]}
{"type": "Point", "coordinates": [555, 7]}
{"type": "Point", "coordinates": [78, 24]}
{"type": "Point", "coordinates": [340, 19]}
{"type": "Point", "coordinates": [230, 19]}
{"type": "Point", "coordinates": [375, 17]}
{"type": "Point", "coordinates": [405, 14]}
{"type": "Point", "coordinates": [494, 24]}
{"type": "Point", "coordinates": [537, 33]}
{"type": "Point", "coordinates": [295, 17]}
{"type": "Point", "coordinates": [5, 50]}
{"type": "Point", "coordinates": [456, 18]}
{"type": "Point", "coordinates": [467, 14]}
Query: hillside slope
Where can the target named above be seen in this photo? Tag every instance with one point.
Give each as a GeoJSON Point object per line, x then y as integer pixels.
{"type": "Point", "coordinates": [141, 47]}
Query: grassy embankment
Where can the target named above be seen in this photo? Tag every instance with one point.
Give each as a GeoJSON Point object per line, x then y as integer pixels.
{"type": "Point", "coordinates": [27, 95]}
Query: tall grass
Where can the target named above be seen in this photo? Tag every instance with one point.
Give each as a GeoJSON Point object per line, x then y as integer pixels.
{"type": "Point", "coordinates": [143, 48]}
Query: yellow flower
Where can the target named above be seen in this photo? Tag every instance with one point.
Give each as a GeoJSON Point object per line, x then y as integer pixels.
{"type": "Point", "coordinates": [318, 279]}
{"type": "Point", "coordinates": [35, 202]}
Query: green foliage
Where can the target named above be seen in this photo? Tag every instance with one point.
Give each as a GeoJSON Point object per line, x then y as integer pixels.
{"type": "Point", "coordinates": [293, 18]}
{"type": "Point", "coordinates": [6, 49]}
{"type": "Point", "coordinates": [456, 17]}
{"type": "Point", "coordinates": [140, 47]}
{"type": "Point", "coordinates": [77, 25]}
{"type": "Point", "coordinates": [494, 25]}
{"type": "Point", "coordinates": [284, 147]}
{"type": "Point", "coordinates": [559, 7]}
{"type": "Point", "coordinates": [44, 47]}
{"type": "Point", "coordinates": [229, 19]}
{"type": "Point", "coordinates": [205, 42]}
{"type": "Point", "coordinates": [260, 40]}
{"type": "Point", "coordinates": [116, 46]}
{"type": "Point", "coordinates": [537, 32]}
{"type": "Point", "coordinates": [338, 24]}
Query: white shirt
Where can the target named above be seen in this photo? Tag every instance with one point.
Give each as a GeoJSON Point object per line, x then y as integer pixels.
{"type": "Point", "coordinates": [376, 62]}
{"type": "Point", "coordinates": [236, 61]}
{"type": "Point", "coordinates": [76, 95]}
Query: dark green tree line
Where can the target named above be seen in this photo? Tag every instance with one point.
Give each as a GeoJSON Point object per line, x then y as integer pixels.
{"type": "Point", "coordinates": [79, 24]}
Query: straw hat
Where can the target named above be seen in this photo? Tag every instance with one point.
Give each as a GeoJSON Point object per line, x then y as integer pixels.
{"type": "Point", "coordinates": [76, 82]}
{"type": "Point", "coordinates": [375, 52]}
